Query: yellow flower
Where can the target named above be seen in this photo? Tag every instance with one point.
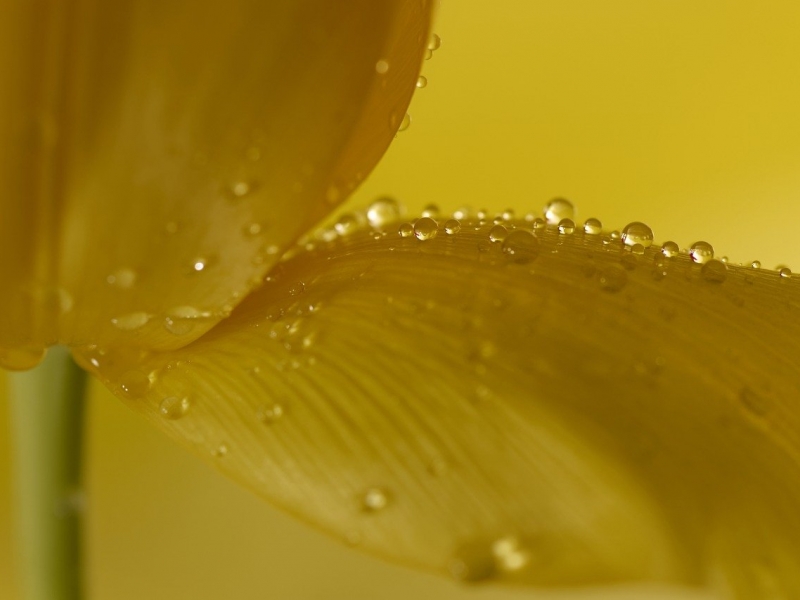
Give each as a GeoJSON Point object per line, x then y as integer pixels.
{"type": "Point", "coordinates": [552, 410]}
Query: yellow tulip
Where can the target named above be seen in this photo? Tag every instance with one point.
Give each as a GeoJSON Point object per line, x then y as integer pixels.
{"type": "Point", "coordinates": [508, 401]}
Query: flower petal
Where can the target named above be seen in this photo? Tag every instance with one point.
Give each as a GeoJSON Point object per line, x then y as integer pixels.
{"type": "Point", "coordinates": [547, 409]}
{"type": "Point", "coordinates": [155, 160]}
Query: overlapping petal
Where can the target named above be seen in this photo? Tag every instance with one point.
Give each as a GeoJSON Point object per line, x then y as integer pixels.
{"type": "Point", "coordinates": [157, 157]}
{"type": "Point", "coordinates": [544, 409]}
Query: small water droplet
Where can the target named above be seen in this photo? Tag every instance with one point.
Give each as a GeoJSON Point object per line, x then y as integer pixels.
{"type": "Point", "coordinates": [452, 226]}
{"type": "Point", "coordinates": [566, 226]}
{"type": "Point", "coordinates": [593, 227]}
{"type": "Point", "coordinates": [557, 209]}
{"type": "Point", "coordinates": [221, 451]}
{"type": "Point", "coordinates": [173, 407]}
{"type": "Point", "coordinates": [714, 271]}
{"type": "Point", "coordinates": [200, 264]}
{"type": "Point", "coordinates": [785, 272]}
{"type": "Point", "coordinates": [670, 249]}
{"type": "Point", "coordinates": [510, 554]}
{"type": "Point", "coordinates": [374, 499]}
{"type": "Point", "coordinates": [270, 414]}
{"type": "Point", "coordinates": [756, 264]}
{"type": "Point", "coordinates": [637, 233]}
{"type": "Point", "coordinates": [637, 249]}
{"type": "Point", "coordinates": [422, 81]}
{"type": "Point", "coordinates": [383, 210]}
{"type": "Point", "coordinates": [497, 233]}
{"type": "Point", "coordinates": [425, 228]}
{"type": "Point", "coordinates": [240, 189]}
{"type": "Point", "coordinates": [613, 278]}
{"type": "Point", "coordinates": [381, 67]}
{"type": "Point", "coordinates": [406, 230]}
{"type": "Point", "coordinates": [253, 229]}
{"type": "Point", "coordinates": [435, 42]}
{"type": "Point", "coordinates": [538, 224]}
{"type": "Point", "coordinates": [346, 224]}
{"type": "Point", "coordinates": [405, 123]}
{"type": "Point", "coordinates": [123, 278]}
{"type": "Point", "coordinates": [131, 321]}
{"type": "Point", "coordinates": [134, 384]}
{"type": "Point", "coordinates": [701, 252]}
{"type": "Point", "coordinates": [522, 246]}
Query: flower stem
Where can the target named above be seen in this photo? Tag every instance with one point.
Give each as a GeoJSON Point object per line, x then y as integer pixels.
{"type": "Point", "coordinates": [47, 426]}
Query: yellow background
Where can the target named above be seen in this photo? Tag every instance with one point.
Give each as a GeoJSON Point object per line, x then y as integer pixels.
{"type": "Point", "coordinates": [683, 114]}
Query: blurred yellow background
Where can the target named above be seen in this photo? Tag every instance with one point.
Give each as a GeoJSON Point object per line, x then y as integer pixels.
{"type": "Point", "coordinates": [679, 113]}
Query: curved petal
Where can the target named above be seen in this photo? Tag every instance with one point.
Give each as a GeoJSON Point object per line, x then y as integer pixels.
{"type": "Point", "coordinates": [548, 409]}
{"type": "Point", "coordinates": [156, 159]}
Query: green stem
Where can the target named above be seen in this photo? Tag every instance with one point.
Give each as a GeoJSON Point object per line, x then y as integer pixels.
{"type": "Point", "coordinates": [47, 423]}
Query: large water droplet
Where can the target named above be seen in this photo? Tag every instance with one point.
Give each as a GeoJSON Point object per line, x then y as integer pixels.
{"type": "Point", "coordinates": [701, 252]}
{"type": "Point", "coordinates": [452, 226]}
{"type": "Point", "coordinates": [714, 271]}
{"type": "Point", "coordinates": [670, 249]}
{"type": "Point", "coordinates": [21, 359]}
{"type": "Point", "coordinates": [613, 278]}
{"type": "Point", "coordinates": [173, 407]}
{"type": "Point", "coordinates": [497, 233]}
{"type": "Point", "coordinates": [425, 228]}
{"type": "Point", "coordinates": [566, 226]}
{"type": "Point", "coordinates": [383, 210]}
{"type": "Point", "coordinates": [593, 227]}
{"type": "Point", "coordinates": [637, 233]}
{"type": "Point", "coordinates": [557, 209]}
{"type": "Point", "coordinates": [522, 246]}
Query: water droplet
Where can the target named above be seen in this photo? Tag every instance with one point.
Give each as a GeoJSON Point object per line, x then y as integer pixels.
{"type": "Point", "coordinates": [593, 227]}
{"type": "Point", "coordinates": [510, 554]}
{"type": "Point", "coordinates": [538, 224]}
{"type": "Point", "coordinates": [21, 359]}
{"type": "Point", "coordinates": [134, 384]}
{"type": "Point", "coordinates": [557, 209]}
{"type": "Point", "coordinates": [785, 272]}
{"type": "Point", "coordinates": [756, 264]}
{"type": "Point", "coordinates": [714, 271]}
{"type": "Point", "coordinates": [670, 249]}
{"type": "Point", "coordinates": [432, 211]}
{"type": "Point", "coordinates": [131, 321]}
{"type": "Point", "coordinates": [374, 499]}
{"type": "Point", "coordinates": [221, 451]}
{"type": "Point", "coordinates": [613, 278]}
{"type": "Point", "coordinates": [637, 233]}
{"type": "Point", "coordinates": [422, 81]}
{"type": "Point", "coordinates": [346, 224]}
{"type": "Point", "coordinates": [381, 67]}
{"type": "Point", "coordinates": [428, 54]}
{"type": "Point", "coordinates": [173, 407]}
{"type": "Point", "coordinates": [435, 42]}
{"type": "Point", "coordinates": [521, 245]}
{"type": "Point", "coordinates": [200, 264]}
{"type": "Point", "coordinates": [240, 189]}
{"type": "Point", "coordinates": [425, 228]}
{"type": "Point", "coordinates": [566, 226]}
{"type": "Point", "coordinates": [462, 213]}
{"type": "Point", "coordinates": [452, 226]}
{"type": "Point", "coordinates": [637, 249]}
{"type": "Point", "coordinates": [701, 252]}
{"type": "Point", "coordinates": [497, 233]}
{"type": "Point", "coordinates": [406, 230]}
{"type": "Point", "coordinates": [473, 562]}
{"type": "Point", "coordinates": [253, 229]}
{"type": "Point", "coordinates": [383, 210]}
{"type": "Point", "coordinates": [405, 123]}
{"type": "Point", "coordinates": [123, 278]}
{"type": "Point", "coordinates": [270, 414]}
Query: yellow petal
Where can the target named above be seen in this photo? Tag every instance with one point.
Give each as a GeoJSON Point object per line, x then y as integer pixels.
{"type": "Point", "coordinates": [155, 159]}
{"type": "Point", "coordinates": [557, 409]}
